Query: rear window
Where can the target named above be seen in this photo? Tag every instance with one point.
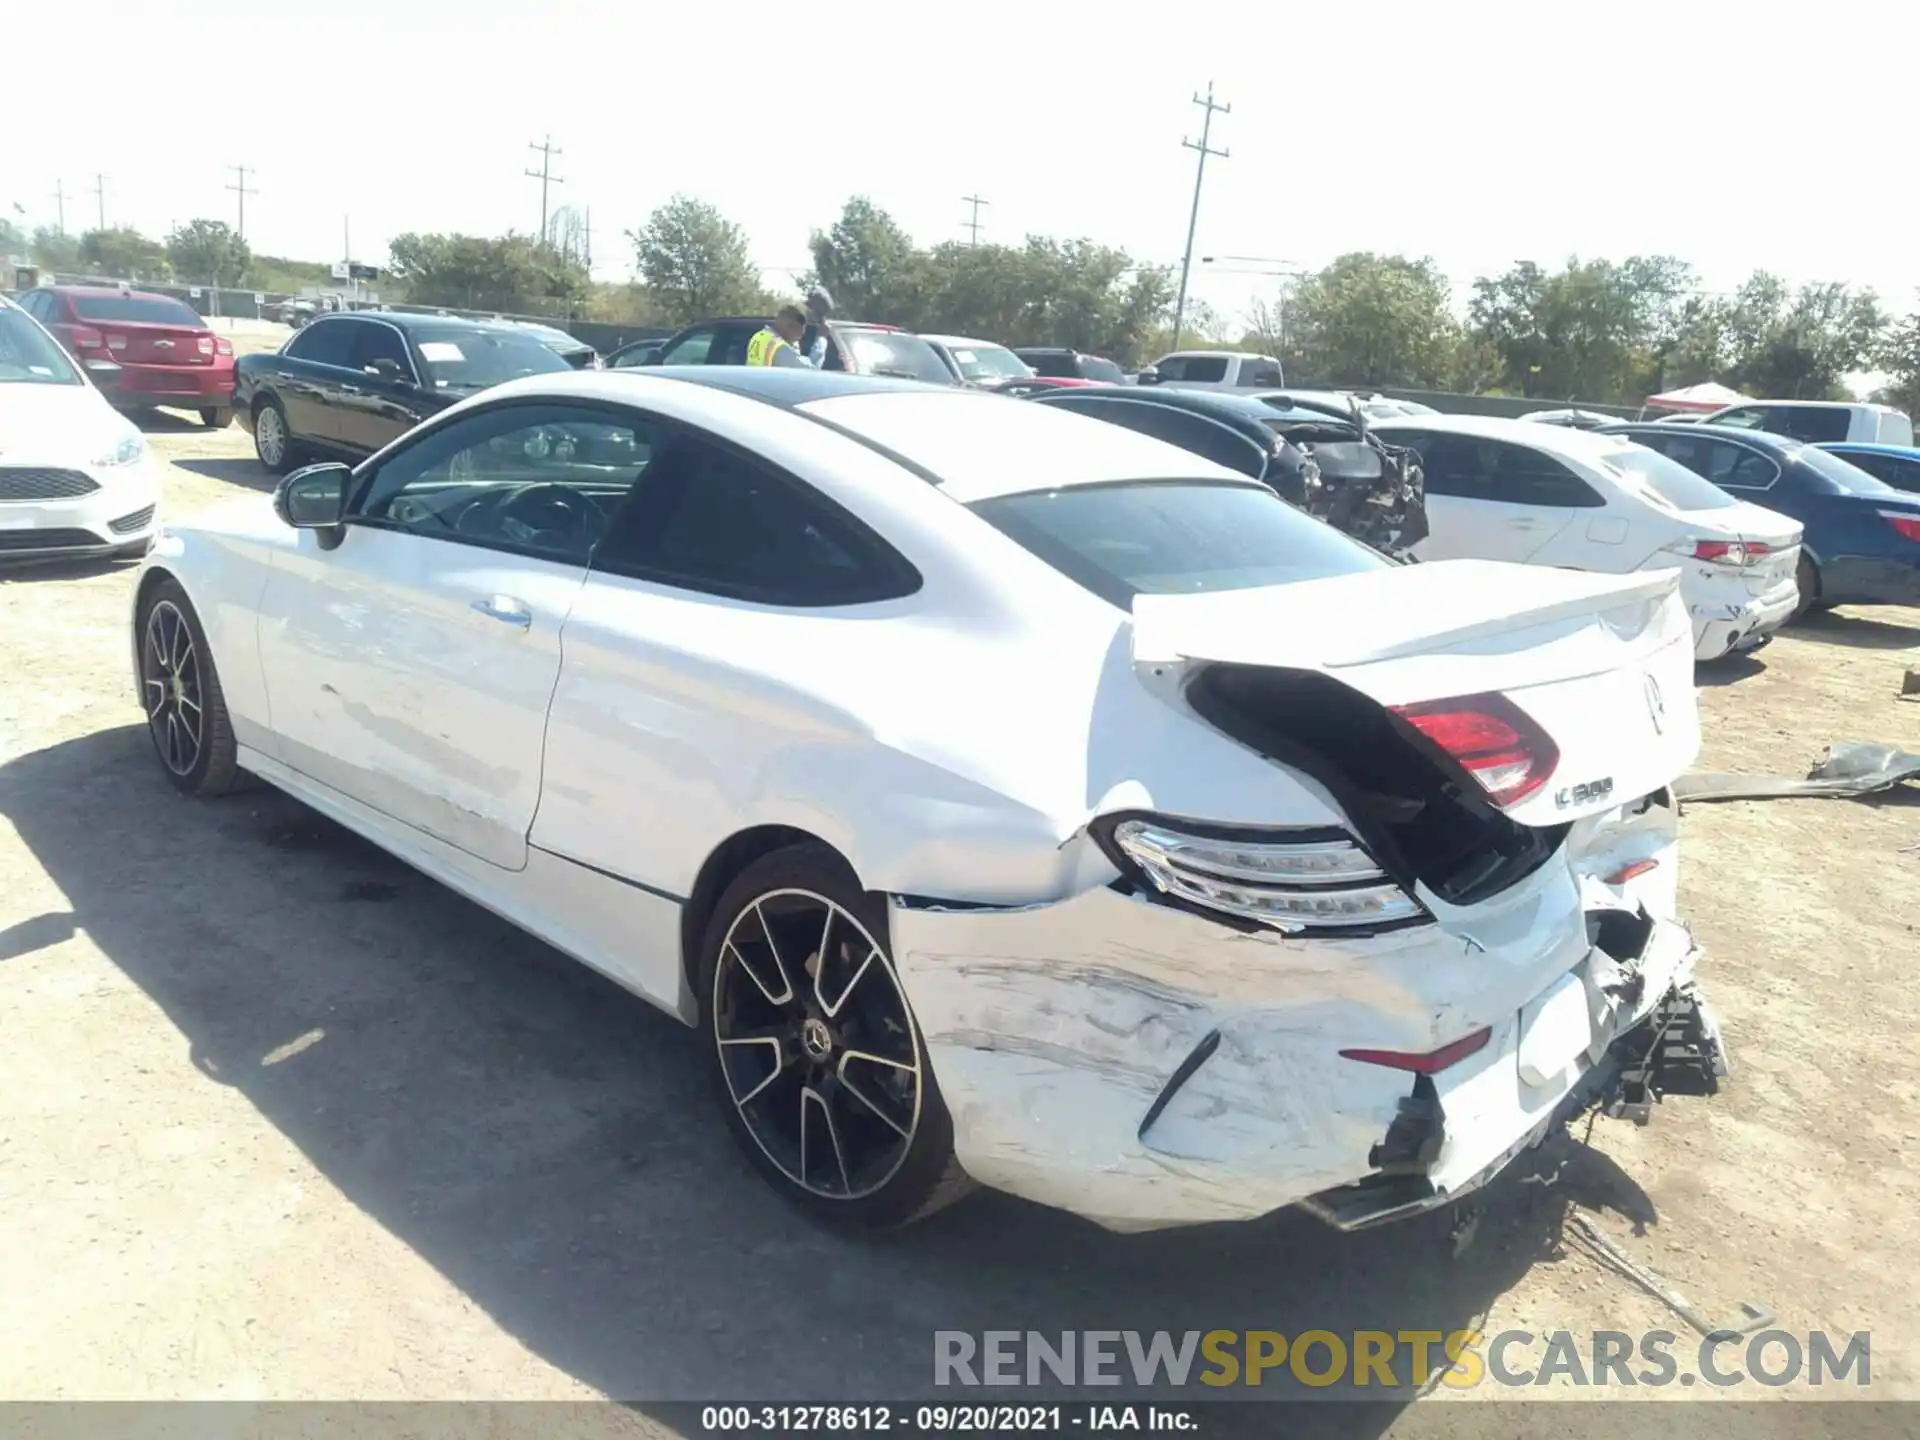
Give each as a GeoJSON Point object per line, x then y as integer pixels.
{"type": "Point", "coordinates": [888, 352]}
{"type": "Point", "coordinates": [1092, 367]}
{"type": "Point", "coordinates": [1667, 481]}
{"type": "Point", "coordinates": [1850, 478]}
{"type": "Point", "coordinates": [1173, 537]}
{"type": "Point", "coordinates": [988, 362]}
{"type": "Point", "coordinates": [463, 359]}
{"type": "Point", "coordinates": [137, 310]}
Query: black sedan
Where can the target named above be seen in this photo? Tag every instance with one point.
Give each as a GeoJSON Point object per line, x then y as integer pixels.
{"type": "Point", "coordinates": [1312, 460]}
{"type": "Point", "coordinates": [345, 385]}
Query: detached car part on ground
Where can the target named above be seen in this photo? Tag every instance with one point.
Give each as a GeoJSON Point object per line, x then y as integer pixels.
{"type": "Point", "coordinates": [1005, 794]}
{"type": "Point", "coordinates": [1335, 470]}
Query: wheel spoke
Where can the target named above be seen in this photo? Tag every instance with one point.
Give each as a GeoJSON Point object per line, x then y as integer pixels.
{"type": "Point", "coordinates": [785, 997]}
{"type": "Point", "coordinates": [846, 1083]}
{"type": "Point", "coordinates": [812, 1098]}
{"type": "Point", "coordinates": [833, 1008]}
{"type": "Point", "coordinates": [760, 1042]}
{"type": "Point", "coordinates": [159, 689]}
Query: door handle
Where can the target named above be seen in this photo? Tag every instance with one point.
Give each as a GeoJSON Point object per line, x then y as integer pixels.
{"type": "Point", "coordinates": [505, 609]}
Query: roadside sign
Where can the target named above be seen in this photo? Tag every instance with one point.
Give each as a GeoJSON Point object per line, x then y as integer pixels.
{"type": "Point", "coordinates": [258, 298]}
{"type": "Point", "coordinates": [342, 270]}
{"type": "Point", "coordinates": [193, 292]}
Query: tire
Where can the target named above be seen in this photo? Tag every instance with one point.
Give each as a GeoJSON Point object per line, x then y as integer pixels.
{"type": "Point", "coordinates": [216, 417]}
{"type": "Point", "coordinates": [1807, 575]}
{"type": "Point", "coordinates": [175, 675]}
{"type": "Point", "coordinates": [887, 1158]}
{"type": "Point", "coordinates": [272, 440]}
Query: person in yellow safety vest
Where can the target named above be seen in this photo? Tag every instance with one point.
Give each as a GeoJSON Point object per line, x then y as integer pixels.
{"type": "Point", "coordinates": [775, 343]}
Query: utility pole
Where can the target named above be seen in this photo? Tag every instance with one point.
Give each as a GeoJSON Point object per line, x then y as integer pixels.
{"type": "Point", "coordinates": [547, 150]}
{"type": "Point", "coordinates": [100, 194]}
{"type": "Point", "coordinates": [586, 240]}
{"type": "Point", "coordinates": [60, 201]}
{"type": "Point", "coordinates": [242, 190]}
{"type": "Point", "coordinates": [1193, 220]}
{"type": "Point", "coordinates": [973, 225]}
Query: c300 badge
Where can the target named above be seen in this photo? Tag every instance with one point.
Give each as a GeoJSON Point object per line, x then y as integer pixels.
{"type": "Point", "coordinates": [1584, 794]}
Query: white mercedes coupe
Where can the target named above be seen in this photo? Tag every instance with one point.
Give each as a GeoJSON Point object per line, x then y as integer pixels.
{"type": "Point", "coordinates": [1009, 797]}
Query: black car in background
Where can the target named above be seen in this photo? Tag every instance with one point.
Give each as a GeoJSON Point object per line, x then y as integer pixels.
{"type": "Point", "coordinates": [858, 347]}
{"type": "Point", "coordinates": [345, 385]}
{"type": "Point", "coordinates": [1314, 461]}
{"type": "Point", "coordinates": [635, 353]}
{"type": "Point", "coordinates": [1062, 363]}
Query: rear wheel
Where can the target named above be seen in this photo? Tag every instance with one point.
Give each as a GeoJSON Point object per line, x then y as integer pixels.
{"type": "Point", "coordinates": [1808, 577]}
{"type": "Point", "coordinates": [180, 691]}
{"type": "Point", "coordinates": [271, 440]}
{"type": "Point", "coordinates": [216, 417]}
{"type": "Point", "coordinates": [820, 1064]}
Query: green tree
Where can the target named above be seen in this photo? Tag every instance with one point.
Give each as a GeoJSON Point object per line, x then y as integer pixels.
{"type": "Point", "coordinates": [504, 272]}
{"type": "Point", "coordinates": [866, 261]}
{"type": "Point", "coordinates": [55, 249]}
{"type": "Point", "coordinates": [695, 261]}
{"type": "Point", "coordinates": [1898, 354]}
{"type": "Point", "coordinates": [1371, 320]}
{"type": "Point", "coordinates": [13, 240]}
{"type": "Point", "coordinates": [208, 250]}
{"type": "Point", "coordinates": [123, 253]}
{"type": "Point", "coordinates": [1594, 330]}
{"type": "Point", "coordinates": [1800, 345]}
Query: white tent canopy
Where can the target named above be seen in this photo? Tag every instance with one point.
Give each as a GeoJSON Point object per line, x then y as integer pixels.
{"type": "Point", "coordinates": [1708, 396]}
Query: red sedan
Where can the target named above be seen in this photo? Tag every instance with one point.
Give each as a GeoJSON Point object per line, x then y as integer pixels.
{"type": "Point", "coordinates": [156, 350]}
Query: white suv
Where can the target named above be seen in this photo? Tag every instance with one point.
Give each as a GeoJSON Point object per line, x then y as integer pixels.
{"type": "Point", "coordinates": [1819, 422]}
{"type": "Point", "coordinates": [1217, 370]}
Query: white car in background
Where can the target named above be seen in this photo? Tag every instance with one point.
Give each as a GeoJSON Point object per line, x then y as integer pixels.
{"type": "Point", "coordinates": [1819, 422]}
{"type": "Point", "coordinates": [1500, 489]}
{"type": "Point", "coordinates": [75, 476]}
{"type": "Point", "coordinates": [979, 362]}
{"type": "Point", "coordinates": [1215, 370]}
{"type": "Point", "coordinates": [1005, 794]}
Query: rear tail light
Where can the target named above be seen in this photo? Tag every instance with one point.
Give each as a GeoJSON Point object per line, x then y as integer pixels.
{"type": "Point", "coordinates": [1723, 552]}
{"type": "Point", "coordinates": [86, 339]}
{"type": "Point", "coordinates": [1492, 739]}
{"type": "Point", "coordinates": [1907, 525]}
{"type": "Point", "coordinates": [223, 346]}
{"type": "Point", "coordinates": [206, 344]}
{"type": "Point", "coordinates": [1432, 1062]}
{"type": "Point", "coordinates": [1311, 880]}
{"type": "Point", "coordinates": [116, 342]}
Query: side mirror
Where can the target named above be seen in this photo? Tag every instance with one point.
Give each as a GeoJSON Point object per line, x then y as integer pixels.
{"type": "Point", "coordinates": [387, 370]}
{"type": "Point", "coordinates": [314, 497]}
{"type": "Point", "coordinates": [1147, 376]}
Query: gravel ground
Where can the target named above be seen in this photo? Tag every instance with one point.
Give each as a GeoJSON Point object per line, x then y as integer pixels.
{"type": "Point", "coordinates": [282, 1120]}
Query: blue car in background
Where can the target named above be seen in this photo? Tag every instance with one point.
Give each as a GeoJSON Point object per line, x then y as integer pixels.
{"type": "Point", "coordinates": [1862, 542]}
{"type": "Point", "coordinates": [1898, 465]}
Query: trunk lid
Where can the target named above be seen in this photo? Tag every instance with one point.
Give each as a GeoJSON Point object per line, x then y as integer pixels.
{"type": "Point", "coordinates": [1602, 664]}
{"type": "Point", "coordinates": [138, 344]}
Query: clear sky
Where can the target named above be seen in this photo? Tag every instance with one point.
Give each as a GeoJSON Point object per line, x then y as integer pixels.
{"type": "Point", "coordinates": [1734, 135]}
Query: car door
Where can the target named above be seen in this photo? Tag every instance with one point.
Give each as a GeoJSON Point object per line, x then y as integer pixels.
{"type": "Point", "coordinates": [384, 399]}
{"type": "Point", "coordinates": [1495, 499]}
{"type": "Point", "coordinates": [690, 348]}
{"type": "Point", "coordinates": [688, 691]}
{"type": "Point", "coordinates": [410, 668]}
{"type": "Point", "coordinates": [313, 367]}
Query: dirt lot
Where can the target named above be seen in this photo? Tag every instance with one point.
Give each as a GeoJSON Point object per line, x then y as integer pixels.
{"type": "Point", "coordinates": [280, 1119]}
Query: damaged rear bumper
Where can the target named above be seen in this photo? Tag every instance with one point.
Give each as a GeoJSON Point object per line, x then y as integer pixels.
{"type": "Point", "coordinates": [1145, 1067]}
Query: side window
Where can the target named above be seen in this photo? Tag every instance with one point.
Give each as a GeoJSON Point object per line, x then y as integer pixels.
{"type": "Point", "coordinates": [380, 342]}
{"type": "Point", "coordinates": [730, 344]}
{"type": "Point", "coordinates": [1050, 362]}
{"type": "Point", "coordinates": [713, 520]}
{"type": "Point", "coordinates": [1193, 433]}
{"type": "Point", "coordinates": [543, 480]}
{"type": "Point", "coordinates": [1903, 475]}
{"type": "Point", "coordinates": [1812, 423]}
{"type": "Point", "coordinates": [690, 349]}
{"type": "Point", "coordinates": [1174, 367]}
{"type": "Point", "coordinates": [34, 302]}
{"type": "Point", "coordinates": [1752, 471]}
{"type": "Point", "coordinates": [1522, 476]}
{"type": "Point", "coordinates": [1454, 465]}
{"type": "Point", "coordinates": [1263, 375]}
{"type": "Point", "coordinates": [1206, 369]}
{"type": "Point", "coordinates": [328, 342]}
{"type": "Point", "coordinates": [1747, 417]}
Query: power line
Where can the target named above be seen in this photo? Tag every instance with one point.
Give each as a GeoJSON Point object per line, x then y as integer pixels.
{"type": "Point", "coordinates": [100, 194]}
{"type": "Point", "coordinates": [973, 225]}
{"type": "Point", "coordinates": [1193, 219]}
{"type": "Point", "coordinates": [242, 190]}
{"type": "Point", "coordinates": [547, 150]}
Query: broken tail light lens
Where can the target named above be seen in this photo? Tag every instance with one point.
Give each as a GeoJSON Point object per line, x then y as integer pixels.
{"type": "Point", "coordinates": [1492, 739]}
{"type": "Point", "coordinates": [1306, 881]}
{"type": "Point", "coordinates": [1723, 552]}
{"type": "Point", "coordinates": [1907, 525]}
